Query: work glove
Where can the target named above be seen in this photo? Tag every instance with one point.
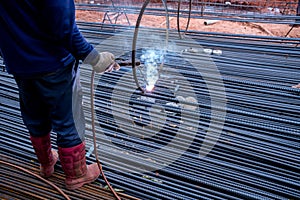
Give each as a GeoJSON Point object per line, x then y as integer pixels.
{"type": "Point", "coordinates": [102, 62]}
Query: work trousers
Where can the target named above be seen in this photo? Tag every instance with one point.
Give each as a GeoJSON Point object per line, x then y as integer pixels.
{"type": "Point", "coordinates": [53, 103]}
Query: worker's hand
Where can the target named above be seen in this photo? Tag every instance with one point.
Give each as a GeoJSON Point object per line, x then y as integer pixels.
{"type": "Point", "coordinates": [106, 63]}
{"type": "Point", "coordinates": [114, 66]}
{"type": "Point", "coordinates": [102, 62]}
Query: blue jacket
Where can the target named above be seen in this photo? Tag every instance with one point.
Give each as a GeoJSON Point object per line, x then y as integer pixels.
{"type": "Point", "coordinates": [40, 36]}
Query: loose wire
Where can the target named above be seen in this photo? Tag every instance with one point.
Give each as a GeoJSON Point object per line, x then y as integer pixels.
{"type": "Point", "coordinates": [37, 176]}
{"type": "Point", "coordinates": [94, 138]}
{"type": "Point", "coordinates": [188, 20]}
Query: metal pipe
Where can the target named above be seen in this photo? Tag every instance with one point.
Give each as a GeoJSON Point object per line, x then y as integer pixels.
{"type": "Point", "coordinates": [210, 22]}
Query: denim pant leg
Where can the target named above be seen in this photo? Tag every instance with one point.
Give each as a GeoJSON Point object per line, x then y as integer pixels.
{"type": "Point", "coordinates": [68, 118]}
{"type": "Point", "coordinates": [47, 103]}
{"type": "Point", "coordinates": [36, 113]}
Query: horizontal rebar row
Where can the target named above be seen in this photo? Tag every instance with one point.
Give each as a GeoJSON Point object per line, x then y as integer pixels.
{"type": "Point", "coordinates": [17, 184]}
{"type": "Point", "coordinates": [216, 12]}
{"type": "Point", "coordinates": [149, 144]}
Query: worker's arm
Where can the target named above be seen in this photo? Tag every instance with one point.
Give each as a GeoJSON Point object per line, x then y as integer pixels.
{"type": "Point", "coordinates": [81, 49]}
{"type": "Point", "coordinates": [59, 20]}
{"type": "Point", "coordinates": [60, 15]}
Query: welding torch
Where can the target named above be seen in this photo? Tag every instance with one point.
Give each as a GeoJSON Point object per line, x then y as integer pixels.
{"type": "Point", "coordinates": [126, 62]}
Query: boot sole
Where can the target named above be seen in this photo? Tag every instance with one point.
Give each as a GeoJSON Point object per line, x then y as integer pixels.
{"type": "Point", "coordinates": [79, 185]}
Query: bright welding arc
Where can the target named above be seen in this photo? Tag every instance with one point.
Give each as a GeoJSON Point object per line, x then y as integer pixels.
{"type": "Point", "coordinates": [134, 42]}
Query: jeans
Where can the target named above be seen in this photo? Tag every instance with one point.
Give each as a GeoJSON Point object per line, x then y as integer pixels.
{"type": "Point", "coordinates": [46, 103]}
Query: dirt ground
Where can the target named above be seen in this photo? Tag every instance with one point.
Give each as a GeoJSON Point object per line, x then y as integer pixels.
{"type": "Point", "coordinates": [198, 24]}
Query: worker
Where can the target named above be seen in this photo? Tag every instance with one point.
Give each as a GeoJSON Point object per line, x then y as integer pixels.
{"type": "Point", "coordinates": [41, 44]}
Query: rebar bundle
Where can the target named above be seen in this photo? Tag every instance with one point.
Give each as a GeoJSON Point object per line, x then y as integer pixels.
{"type": "Point", "coordinates": [150, 144]}
{"type": "Point", "coordinates": [280, 12]}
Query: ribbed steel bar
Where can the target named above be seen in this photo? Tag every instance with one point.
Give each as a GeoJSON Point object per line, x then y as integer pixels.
{"type": "Point", "coordinates": [92, 26]}
{"type": "Point", "coordinates": [257, 153]}
{"type": "Point", "coordinates": [25, 186]}
{"type": "Point", "coordinates": [226, 15]}
{"type": "Point", "coordinates": [231, 161]}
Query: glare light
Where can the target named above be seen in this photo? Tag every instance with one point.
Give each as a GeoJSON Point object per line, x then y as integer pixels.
{"type": "Point", "coordinates": [149, 88]}
{"type": "Point", "coordinates": [152, 59]}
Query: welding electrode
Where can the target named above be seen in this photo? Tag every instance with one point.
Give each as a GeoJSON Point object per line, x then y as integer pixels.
{"type": "Point", "coordinates": [124, 63]}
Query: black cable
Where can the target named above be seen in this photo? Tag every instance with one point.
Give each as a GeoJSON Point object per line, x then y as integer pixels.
{"type": "Point", "coordinates": [135, 37]}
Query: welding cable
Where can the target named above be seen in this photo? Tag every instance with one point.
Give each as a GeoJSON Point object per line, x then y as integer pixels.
{"type": "Point", "coordinates": [178, 19]}
{"type": "Point", "coordinates": [94, 137]}
{"type": "Point", "coordinates": [188, 20]}
{"type": "Point", "coordinates": [37, 176]}
{"type": "Point", "coordinates": [138, 21]}
{"type": "Point", "coordinates": [135, 37]}
{"type": "Point", "coordinates": [189, 17]}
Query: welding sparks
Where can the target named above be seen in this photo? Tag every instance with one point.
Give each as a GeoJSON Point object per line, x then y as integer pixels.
{"type": "Point", "coordinates": [152, 59]}
{"type": "Point", "coordinates": [149, 88]}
